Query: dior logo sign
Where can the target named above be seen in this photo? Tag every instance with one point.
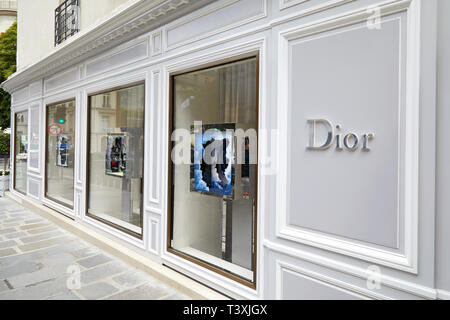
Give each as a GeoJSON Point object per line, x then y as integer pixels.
{"type": "Point", "coordinates": [335, 136]}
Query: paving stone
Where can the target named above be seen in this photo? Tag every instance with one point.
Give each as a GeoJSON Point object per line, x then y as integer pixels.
{"type": "Point", "coordinates": [68, 246]}
{"type": "Point", "coordinates": [16, 235]}
{"type": "Point", "coordinates": [34, 226]}
{"type": "Point", "coordinates": [59, 264]}
{"type": "Point", "coordinates": [19, 268]}
{"type": "Point", "coordinates": [131, 279]}
{"type": "Point", "coordinates": [177, 296]}
{"type": "Point", "coordinates": [6, 231]}
{"type": "Point", "coordinates": [33, 278]}
{"type": "Point", "coordinates": [12, 220]}
{"type": "Point", "coordinates": [42, 244]}
{"type": "Point", "coordinates": [144, 292]}
{"type": "Point", "coordinates": [33, 221]}
{"type": "Point", "coordinates": [37, 268]}
{"type": "Point", "coordinates": [7, 244]}
{"type": "Point", "coordinates": [3, 286]}
{"type": "Point", "coordinates": [22, 213]}
{"type": "Point", "coordinates": [12, 260]}
{"type": "Point", "coordinates": [85, 252]}
{"type": "Point", "coordinates": [94, 261]}
{"type": "Point", "coordinates": [37, 292]}
{"type": "Point", "coordinates": [7, 252]}
{"type": "Point", "coordinates": [40, 237]}
{"type": "Point", "coordinates": [97, 291]}
{"type": "Point", "coordinates": [11, 225]}
{"type": "Point", "coordinates": [42, 230]}
{"type": "Point", "coordinates": [102, 271]}
{"type": "Point", "coordinates": [68, 295]}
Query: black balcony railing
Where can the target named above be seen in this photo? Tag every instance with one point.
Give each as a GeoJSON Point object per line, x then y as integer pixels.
{"type": "Point", "coordinates": [66, 20]}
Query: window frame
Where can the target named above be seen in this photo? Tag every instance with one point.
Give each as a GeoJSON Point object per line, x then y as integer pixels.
{"type": "Point", "coordinates": [170, 193]}
{"type": "Point", "coordinates": [14, 154]}
{"type": "Point", "coordinates": [88, 168]}
{"type": "Point", "coordinates": [62, 37]}
{"type": "Point", "coordinates": [46, 154]}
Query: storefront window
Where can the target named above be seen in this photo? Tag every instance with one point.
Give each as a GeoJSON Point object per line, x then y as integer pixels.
{"type": "Point", "coordinates": [21, 151]}
{"type": "Point", "coordinates": [60, 154]}
{"type": "Point", "coordinates": [116, 157]}
{"type": "Point", "coordinates": [213, 197]}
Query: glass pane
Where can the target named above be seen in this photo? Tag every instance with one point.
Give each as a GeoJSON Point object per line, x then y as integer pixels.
{"type": "Point", "coordinates": [214, 196]}
{"type": "Point", "coordinates": [116, 155]}
{"type": "Point", "coordinates": [60, 157]}
{"type": "Point", "coordinates": [21, 152]}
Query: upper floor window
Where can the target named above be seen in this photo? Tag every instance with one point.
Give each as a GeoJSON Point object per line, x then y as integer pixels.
{"type": "Point", "coordinates": [66, 20]}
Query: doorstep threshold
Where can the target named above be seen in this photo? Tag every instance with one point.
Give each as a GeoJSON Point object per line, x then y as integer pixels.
{"type": "Point", "coordinates": [180, 282]}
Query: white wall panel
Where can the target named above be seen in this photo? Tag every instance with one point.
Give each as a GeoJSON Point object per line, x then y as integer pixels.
{"type": "Point", "coordinates": [357, 201]}
{"type": "Point", "coordinates": [61, 79]}
{"type": "Point", "coordinates": [129, 54]}
{"type": "Point", "coordinates": [219, 17]}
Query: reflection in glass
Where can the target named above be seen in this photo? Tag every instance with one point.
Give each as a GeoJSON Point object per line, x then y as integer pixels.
{"type": "Point", "coordinates": [115, 157]}
{"type": "Point", "coordinates": [21, 151]}
{"type": "Point", "coordinates": [213, 200]}
{"type": "Point", "coordinates": [60, 153]}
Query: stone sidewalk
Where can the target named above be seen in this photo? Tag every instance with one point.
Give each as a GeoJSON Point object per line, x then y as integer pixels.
{"type": "Point", "coordinates": [40, 261]}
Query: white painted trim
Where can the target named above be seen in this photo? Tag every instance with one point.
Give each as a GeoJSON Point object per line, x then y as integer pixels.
{"type": "Point", "coordinates": [56, 98]}
{"type": "Point", "coordinates": [311, 10]}
{"type": "Point", "coordinates": [153, 107]}
{"type": "Point", "coordinates": [284, 4]}
{"type": "Point", "coordinates": [407, 260]}
{"type": "Point", "coordinates": [57, 207]}
{"type": "Point", "coordinates": [113, 30]}
{"type": "Point", "coordinates": [443, 294]}
{"type": "Point", "coordinates": [153, 37]}
{"type": "Point", "coordinates": [86, 91]}
{"type": "Point", "coordinates": [336, 284]}
{"type": "Point", "coordinates": [395, 283]}
{"type": "Point", "coordinates": [213, 279]}
{"type": "Point", "coordinates": [114, 232]}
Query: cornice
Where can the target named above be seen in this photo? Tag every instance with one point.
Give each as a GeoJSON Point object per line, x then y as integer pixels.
{"type": "Point", "coordinates": [137, 19]}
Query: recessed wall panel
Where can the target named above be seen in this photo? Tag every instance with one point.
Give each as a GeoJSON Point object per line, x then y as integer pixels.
{"type": "Point", "coordinates": [297, 286]}
{"type": "Point", "coordinates": [346, 102]}
{"type": "Point", "coordinates": [215, 19]}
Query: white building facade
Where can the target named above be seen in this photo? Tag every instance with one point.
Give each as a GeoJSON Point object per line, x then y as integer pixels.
{"type": "Point", "coordinates": [336, 187]}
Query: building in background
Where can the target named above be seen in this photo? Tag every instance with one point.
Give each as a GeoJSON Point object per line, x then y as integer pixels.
{"type": "Point", "coordinates": [340, 191]}
{"type": "Point", "coordinates": [8, 14]}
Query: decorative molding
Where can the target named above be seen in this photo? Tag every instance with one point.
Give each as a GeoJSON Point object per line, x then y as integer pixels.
{"type": "Point", "coordinates": [284, 4]}
{"type": "Point", "coordinates": [105, 62]}
{"type": "Point", "coordinates": [61, 79]}
{"type": "Point", "coordinates": [309, 11]}
{"type": "Point", "coordinates": [215, 30]}
{"type": "Point", "coordinates": [154, 159]}
{"type": "Point", "coordinates": [324, 280]}
{"type": "Point", "coordinates": [20, 95]}
{"type": "Point", "coordinates": [56, 206]}
{"type": "Point", "coordinates": [443, 294]}
{"type": "Point", "coordinates": [135, 20]}
{"type": "Point", "coordinates": [407, 260]}
{"type": "Point", "coordinates": [156, 43]}
{"type": "Point", "coordinates": [333, 264]}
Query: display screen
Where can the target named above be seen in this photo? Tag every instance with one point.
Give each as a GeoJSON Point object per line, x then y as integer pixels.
{"type": "Point", "coordinates": [216, 176]}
